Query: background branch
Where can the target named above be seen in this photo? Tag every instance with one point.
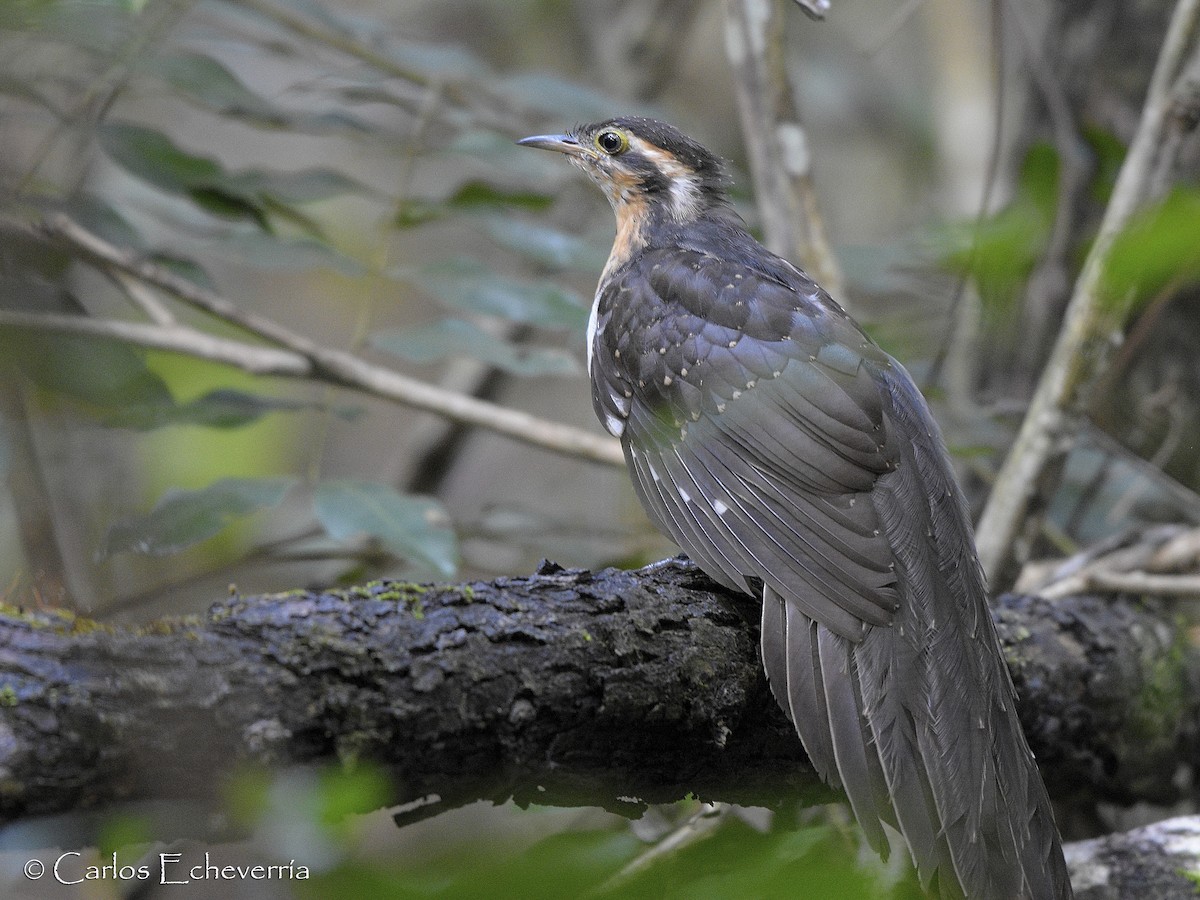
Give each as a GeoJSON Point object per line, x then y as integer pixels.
{"type": "Point", "coordinates": [307, 358]}
{"type": "Point", "coordinates": [780, 162]}
{"type": "Point", "coordinates": [1092, 321]}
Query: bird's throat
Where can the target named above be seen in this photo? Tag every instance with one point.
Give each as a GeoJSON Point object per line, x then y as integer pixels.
{"type": "Point", "coordinates": [633, 217]}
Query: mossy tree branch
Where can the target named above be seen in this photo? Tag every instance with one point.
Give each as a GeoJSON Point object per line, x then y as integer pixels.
{"type": "Point", "coordinates": [612, 688]}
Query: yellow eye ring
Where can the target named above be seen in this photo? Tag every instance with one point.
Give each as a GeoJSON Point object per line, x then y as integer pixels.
{"type": "Point", "coordinates": [612, 142]}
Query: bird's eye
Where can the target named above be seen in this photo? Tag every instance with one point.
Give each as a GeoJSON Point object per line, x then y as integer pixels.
{"type": "Point", "coordinates": [612, 142]}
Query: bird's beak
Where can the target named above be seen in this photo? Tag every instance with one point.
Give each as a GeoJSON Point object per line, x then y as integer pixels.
{"type": "Point", "coordinates": [559, 143]}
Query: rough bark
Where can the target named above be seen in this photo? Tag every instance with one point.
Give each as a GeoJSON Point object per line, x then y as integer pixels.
{"type": "Point", "coordinates": [612, 688]}
{"type": "Point", "coordinates": [1158, 862]}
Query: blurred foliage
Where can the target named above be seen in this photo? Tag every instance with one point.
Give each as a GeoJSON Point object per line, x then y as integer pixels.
{"type": "Point", "coordinates": [1159, 250]}
{"type": "Point", "coordinates": [153, 125]}
{"type": "Point", "coordinates": [736, 861]}
{"type": "Point", "coordinates": [183, 518]}
{"type": "Point", "coordinates": [534, 857]}
{"type": "Point", "coordinates": [415, 528]}
{"type": "Point", "coordinates": [455, 337]}
{"type": "Point", "coordinates": [1000, 252]}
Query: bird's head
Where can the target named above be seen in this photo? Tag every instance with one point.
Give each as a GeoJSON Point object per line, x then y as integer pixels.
{"type": "Point", "coordinates": [644, 166]}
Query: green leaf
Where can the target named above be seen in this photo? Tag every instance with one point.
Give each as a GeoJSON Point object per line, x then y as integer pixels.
{"type": "Point", "coordinates": [19, 15]}
{"type": "Point", "coordinates": [184, 268]}
{"type": "Point", "coordinates": [478, 193]}
{"type": "Point", "coordinates": [96, 214]}
{"type": "Point", "coordinates": [184, 518]}
{"type": "Point", "coordinates": [220, 408]}
{"type": "Point", "coordinates": [342, 793]}
{"type": "Point", "coordinates": [275, 254]}
{"type": "Point", "coordinates": [467, 285]}
{"type": "Point", "coordinates": [1159, 247]}
{"type": "Point", "coordinates": [1109, 154]}
{"type": "Point", "coordinates": [97, 373]}
{"type": "Point", "coordinates": [449, 61]}
{"type": "Point", "coordinates": [210, 83]}
{"type": "Point", "coordinates": [152, 156]}
{"type": "Point", "coordinates": [307, 186]}
{"type": "Point", "coordinates": [550, 247]}
{"type": "Point", "coordinates": [21, 89]}
{"type": "Point", "coordinates": [454, 337]}
{"type": "Point", "coordinates": [471, 195]}
{"type": "Point", "coordinates": [566, 100]}
{"type": "Point", "coordinates": [1002, 252]}
{"type": "Point", "coordinates": [416, 528]}
{"type": "Point", "coordinates": [251, 194]}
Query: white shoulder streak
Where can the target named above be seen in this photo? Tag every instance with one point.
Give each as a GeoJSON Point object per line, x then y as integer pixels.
{"type": "Point", "coordinates": [593, 319]}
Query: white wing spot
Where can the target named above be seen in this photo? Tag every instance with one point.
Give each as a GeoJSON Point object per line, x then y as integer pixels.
{"type": "Point", "coordinates": [654, 474]}
{"type": "Point", "coordinates": [720, 508]}
{"type": "Point", "coordinates": [687, 498]}
{"type": "Point", "coordinates": [666, 380]}
{"type": "Point", "coordinates": [614, 424]}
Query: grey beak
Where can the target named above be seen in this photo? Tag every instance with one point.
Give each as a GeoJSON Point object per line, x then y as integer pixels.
{"type": "Point", "coordinates": [559, 143]}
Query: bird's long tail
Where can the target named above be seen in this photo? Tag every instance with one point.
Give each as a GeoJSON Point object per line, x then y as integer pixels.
{"type": "Point", "coordinates": [916, 722]}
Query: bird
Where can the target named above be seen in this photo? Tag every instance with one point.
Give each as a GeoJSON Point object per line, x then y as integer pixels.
{"type": "Point", "coordinates": [792, 459]}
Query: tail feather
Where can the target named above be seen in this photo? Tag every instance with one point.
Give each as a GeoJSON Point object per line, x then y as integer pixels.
{"type": "Point", "coordinates": [917, 720]}
{"type": "Point", "coordinates": [853, 744]}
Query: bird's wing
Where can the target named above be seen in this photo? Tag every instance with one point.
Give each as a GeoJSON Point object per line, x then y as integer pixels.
{"type": "Point", "coordinates": [778, 446]}
{"type": "Point", "coordinates": [754, 431]}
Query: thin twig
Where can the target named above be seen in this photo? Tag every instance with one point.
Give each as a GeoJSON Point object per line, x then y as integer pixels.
{"type": "Point", "coordinates": [307, 358]}
{"type": "Point", "coordinates": [697, 827]}
{"type": "Point", "coordinates": [1091, 321]}
{"type": "Point", "coordinates": [1048, 284]}
{"type": "Point", "coordinates": [143, 297]}
{"type": "Point", "coordinates": [1143, 583]}
{"type": "Point", "coordinates": [899, 18]}
{"type": "Point", "coordinates": [178, 339]}
{"type": "Point", "coordinates": [1185, 112]}
{"type": "Point", "coordinates": [962, 324]}
{"type": "Point", "coordinates": [1163, 552]}
{"type": "Point", "coordinates": [780, 162]}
